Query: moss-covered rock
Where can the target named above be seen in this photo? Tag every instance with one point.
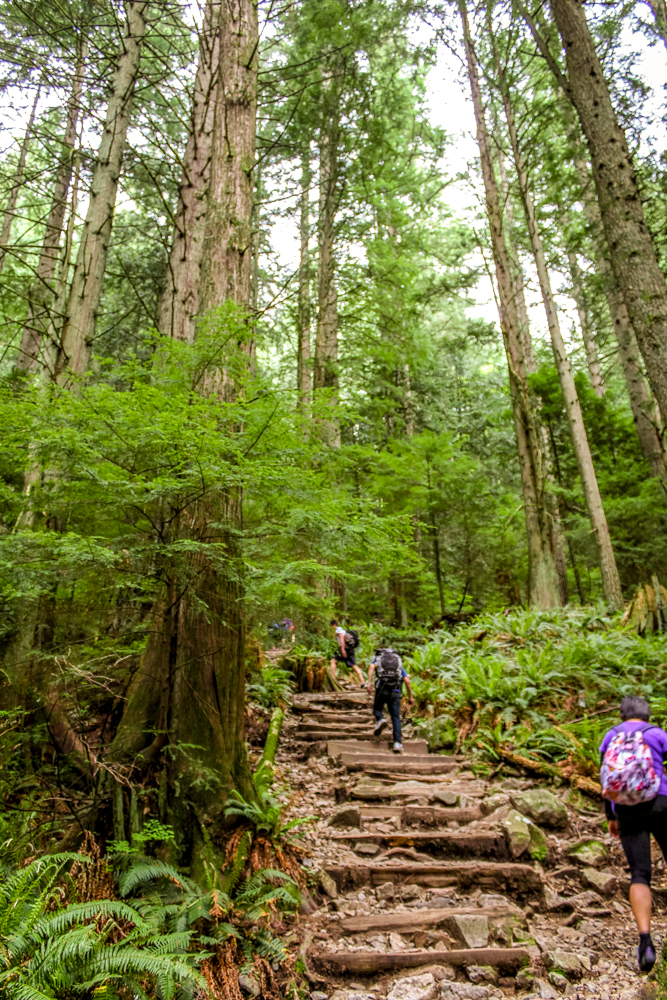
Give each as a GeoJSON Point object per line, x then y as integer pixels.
{"type": "Point", "coordinates": [541, 806]}
{"type": "Point", "coordinates": [440, 733]}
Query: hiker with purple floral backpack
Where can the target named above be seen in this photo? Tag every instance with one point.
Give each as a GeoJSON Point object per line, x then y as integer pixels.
{"type": "Point", "coordinates": [634, 787]}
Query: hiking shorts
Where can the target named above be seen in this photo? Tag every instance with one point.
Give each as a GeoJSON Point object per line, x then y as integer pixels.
{"type": "Point", "coordinates": [635, 826]}
{"type": "Point", "coordinates": [350, 660]}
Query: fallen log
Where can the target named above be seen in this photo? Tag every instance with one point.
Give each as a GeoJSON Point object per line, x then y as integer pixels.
{"type": "Point", "coordinates": [509, 959]}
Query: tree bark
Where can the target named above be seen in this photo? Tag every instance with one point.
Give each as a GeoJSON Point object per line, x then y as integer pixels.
{"type": "Point", "coordinates": [86, 291]}
{"type": "Point", "coordinates": [42, 295]}
{"type": "Point", "coordinates": [325, 373]}
{"type": "Point", "coordinates": [659, 8]}
{"type": "Point", "coordinates": [631, 246]}
{"type": "Point", "coordinates": [17, 183]}
{"type": "Point", "coordinates": [587, 334]}
{"type": "Point", "coordinates": [542, 579]}
{"type": "Point", "coordinates": [179, 302]}
{"type": "Point", "coordinates": [303, 372]}
{"type": "Point", "coordinates": [189, 691]}
{"type": "Point", "coordinates": [610, 579]}
{"type": "Point", "coordinates": [628, 351]}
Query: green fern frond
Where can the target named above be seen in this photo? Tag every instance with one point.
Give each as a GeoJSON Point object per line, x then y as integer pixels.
{"type": "Point", "coordinates": [148, 870]}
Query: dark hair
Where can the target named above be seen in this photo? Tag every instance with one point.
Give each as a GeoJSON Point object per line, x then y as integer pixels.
{"type": "Point", "coordinates": [635, 707]}
{"type": "Point", "coordinates": [333, 622]}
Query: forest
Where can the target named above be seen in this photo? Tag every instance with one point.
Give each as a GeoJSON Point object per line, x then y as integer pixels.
{"type": "Point", "coordinates": [349, 309]}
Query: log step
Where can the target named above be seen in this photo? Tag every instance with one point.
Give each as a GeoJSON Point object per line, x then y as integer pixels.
{"type": "Point", "coordinates": [407, 789]}
{"type": "Point", "coordinates": [368, 962]}
{"type": "Point", "coordinates": [380, 745]}
{"type": "Point", "coordinates": [447, 842]}
{"type": "Point", "coordinates": [415, 920]}
{"type": "Point", "coordinates": [508, 876]}
{"type": "Point", "coordinates": [403, 764]}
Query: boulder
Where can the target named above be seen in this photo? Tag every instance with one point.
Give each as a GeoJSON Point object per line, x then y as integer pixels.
{"type": "Point", "coordinates": [544, 990]}
{"type": "Point", "coordinates": [440, 733]}
{"type": "Point", "coordinates": [517, 832]}
{"type": "Point", "coordinates": [565, 962]}
{"type": "Point", "coordinates": [560, 982]}
{"type": "Point", "coordinates": [603, 881]}
{"type": "Point", "coordinates": [471, 929]}
{"type": "Point", "coordinates": [494, 802]}
{"type": "Point", "coordinates": [346, 816]}
{"type": "Point", "coordinates": [542, 806]}
{"type": "Point", "coordinates": [588, 853]}
{"type": "Point", "coordinates": [463, 991]}
{"type": "Point", "coordinates": [414, 988]}
{"type": "Point", "coordinates": [482, 974]}
{"type": "Point", "coordinates": [538, 848]}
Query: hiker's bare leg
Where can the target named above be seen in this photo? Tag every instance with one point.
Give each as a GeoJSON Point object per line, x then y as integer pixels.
{"type": "Point", "coordinates": [333, 667]}
{"type": "Point", "coordinates": [640, 901]}
{"type": "Point", "coordinates": [362, 679]}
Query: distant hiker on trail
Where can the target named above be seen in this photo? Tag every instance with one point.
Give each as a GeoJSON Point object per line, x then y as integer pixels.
{"type": "Point", "coordinates": [390, 676]}
{"type": "Point", "coordinates": [347, 641]}
{"type": "Point", "coordinates": [634, 787]}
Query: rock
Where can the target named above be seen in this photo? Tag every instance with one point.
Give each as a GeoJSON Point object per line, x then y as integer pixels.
{"type": "Point", "coordinates": [603, 881]}
{"type": "Point", "coordinates": [493, 899]}
{"type": "Point", "coordinates": [471, 929]}
{"type": "Point", "coordinates": [482, 974]}
{"type": "Point", "coordinates": [318, 995]}
{"type": "Point", "coordinates": [447, 798]}
{"type": "Point", "coordinates": [562, 961]}
{"type": "Point", "coordinates": [440, 903]}
{"type": "Point", "coordinates": [329, 886]}
{"type": "Point", "coordinates": [538, 847]}
{"type": "Point", "coordinates": [347, 816]}
{"type": "Point", "coordinates": [363, 847]}
{"type": "Point", "coordinates": [524, 979]}
{"type": "Point", "coordinates": [560, 982]}
{"type": "Point", "coordinates": [411, 891]}
{"type": "Point", "coordinates": [463, 991]}
{"type": "Point", "coordinates": [385, 891]}
{"type": "Point", "coordinates": [249, 986]}
{"type": "Point", "coordinates": [513, 784]}
{"type": "Point", "coordinates": [494, 802]}
{"type": "Point", "coordinates": [542, 806]}
{"type": "Point", "coordinates": [590, 853]}
{"type": "Point", "coordinates": [440, 972]}
{"type": "Point", "coordinates": [396, 942]}
{"type": "Point", "coordinates": [414, 988]}
{"type": "Point", "coordinates": [544, 990]}
{"type": "Point", "coordinates": [439, 733]}
{"type": "Point", "coordinates": [517, 832]}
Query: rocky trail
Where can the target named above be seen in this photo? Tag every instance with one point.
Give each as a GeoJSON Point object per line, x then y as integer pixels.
{"type": "Point", "coordinates": [428, 881]}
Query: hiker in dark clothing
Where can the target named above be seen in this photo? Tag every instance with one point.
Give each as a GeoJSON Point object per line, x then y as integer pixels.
{"type": "Point", "coordinates": [633, 755]}
{"type": "Point", "coordinates": [346, 642]}
{"type": "Point", "coordinates": [390, 677]}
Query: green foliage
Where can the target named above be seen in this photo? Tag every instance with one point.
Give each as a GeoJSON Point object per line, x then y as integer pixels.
{"type": "Point", "coordinates": [265, 814]}
{"type": "Point", "coordinates": [271, 687]}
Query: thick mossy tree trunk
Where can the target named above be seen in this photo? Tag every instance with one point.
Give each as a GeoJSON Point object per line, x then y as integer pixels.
{"type": "Point", "coordinates": [543, 578]}
{"type": "Point", "coordinates": [631, 246]}
{"type": "Point", "coordinates": [187, 698]}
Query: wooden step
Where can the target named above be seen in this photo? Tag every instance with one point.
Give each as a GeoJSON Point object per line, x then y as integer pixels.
{"type": "Point", "coordinates": [445, 841]}
{"type": "Point", "coordinates": [307, 732]}
{"type": "Point", "coordinates": [380, 744]}
{"type": "Point", "coordinates": [402, 763]}
{"type": "Point", "coordinates": [414, 920]}
{"type": "Point", "coordinates": [433, 815]}
{"type": "Point", "coordinates": [405, 789]}
{"type": "Point", "coordinates": [367, 962]}
{"type": "Point", "coordinates": [330, 699]}
{"type": "Point", "coordinates": [339, 718]}
{"type": "Point", "coordinates": [508, 876]}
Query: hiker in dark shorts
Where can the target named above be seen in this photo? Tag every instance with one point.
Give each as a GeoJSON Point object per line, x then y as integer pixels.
{"type": "Point", "coordinates": [345, 652]}
{"type": "Point", "coordinates": [634, 824]}
{"type": "Point", "coordinates": [389, 682]}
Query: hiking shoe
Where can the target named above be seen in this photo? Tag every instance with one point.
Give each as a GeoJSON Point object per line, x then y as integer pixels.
{"type": "Point", "coordinates": [398, 748]}
{"type": "Point", "coordinates": [380, 726]}
{"type": "Point", "coordinates": [646, 954]}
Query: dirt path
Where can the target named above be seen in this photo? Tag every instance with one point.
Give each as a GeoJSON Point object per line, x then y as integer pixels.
{"type": "Point", "coordinates": [423, 881]}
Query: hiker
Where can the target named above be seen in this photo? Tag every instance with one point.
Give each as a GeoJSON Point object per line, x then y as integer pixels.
{"type": "Point", "coordinates": [634, 788]}
{"type": "Point", "coordinates": [347, 641]}
{"type": "Point", "coordinates": [390, 675]}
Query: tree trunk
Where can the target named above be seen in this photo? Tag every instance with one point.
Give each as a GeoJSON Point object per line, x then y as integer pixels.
{"type": "Point", "coordinates": [610, 579]}
{"type": "Point", "coordinates": [179, 301]}
{"type": "Point", "coordinates": [628, 351]}
{"type": "Point", "coordinates": [41, 298]}
{"type": "Point", "coordinates": [659, 8]}
{"type": "Point", "coordinates": [17, 184]}
{"type": "Point", "coordinates": [631, 246]}
{"type": "Point", "coordinates": [86, 290]}
{"type": "Point", "coordinates": [325, 374]}
{"type": "Point", "coordinates": [543, 579]}
{"type": "Point", "coordinates": [587, 334]}
{"type": "Point", "coordinates": [303, 373]}
{"type": "Point", "coordinates": [190, 688]}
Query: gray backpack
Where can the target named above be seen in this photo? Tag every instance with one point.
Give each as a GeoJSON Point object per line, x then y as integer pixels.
{"type": "Point", "coordinates": [388, 669]}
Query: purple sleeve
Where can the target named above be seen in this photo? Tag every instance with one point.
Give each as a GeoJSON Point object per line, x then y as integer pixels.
{"type": "Point", "coordinates": [605, 742]}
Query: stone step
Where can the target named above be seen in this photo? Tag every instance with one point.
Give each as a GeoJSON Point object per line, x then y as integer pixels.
{"type": "Point", "coordinates": [451, 791]}
{"type": "Point", "coordinates": [501, 876]}
{"type": "Point", "coordinates": [404, 763]}
{"type": "Point", "coordinates": [409, 921]}
{"type": "Point", "coordinates": [445, 841]}
{"type": "Point", "coordinates": [367, 962]}
{"type": "Point", "coordinates": [380, 745]}
{"type": "Point", "coordinates": [359, 816]}
{"type": "Point", "coordinates": [330, 699]}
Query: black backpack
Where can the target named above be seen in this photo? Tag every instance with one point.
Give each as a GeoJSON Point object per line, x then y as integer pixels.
{"type": "Point", "coordinates": [351, 638]}
{"type": "Point", "coordinates": [388, 667]}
